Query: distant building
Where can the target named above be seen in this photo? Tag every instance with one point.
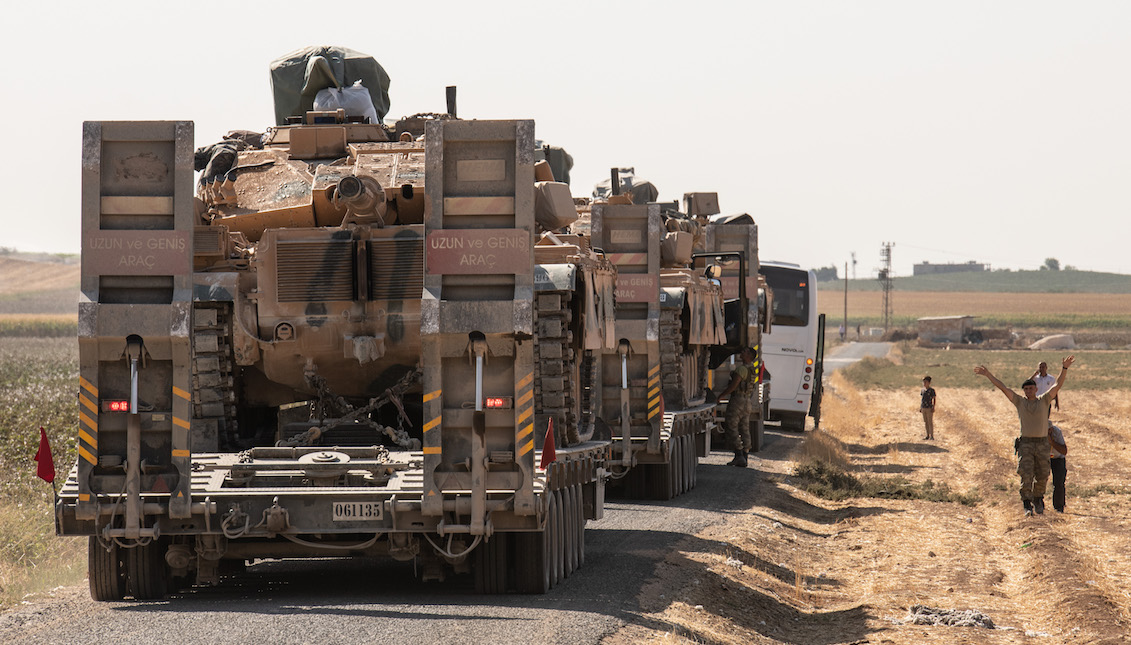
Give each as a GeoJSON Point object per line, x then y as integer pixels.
{"type": "Point", "coordinates": [945, 329]}
{"type": "Point", "coordinates": [926, 268]}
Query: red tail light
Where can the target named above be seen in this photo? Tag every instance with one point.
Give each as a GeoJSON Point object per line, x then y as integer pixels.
{"type": "Point", "coordinates": [497, 403]}
{"type": "Point", "coordinates": [115, 406]}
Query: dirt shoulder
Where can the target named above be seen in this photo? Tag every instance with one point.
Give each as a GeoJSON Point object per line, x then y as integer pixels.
{"type": "Point", "coordinates": [795, 568]}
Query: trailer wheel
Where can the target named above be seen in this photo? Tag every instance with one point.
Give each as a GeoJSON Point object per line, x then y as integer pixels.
{"type": "Point", "coordinates": [571, 529]}
{"type": "Point", "coordinates": [674, 468]}
{"type": "Point", "coordinates": [694, 471]}
{"type": "Point", "coordinates": [491, 565]}
{"type": "Point", "coordinates": [104, 570]}
{"type": "Point", "coordinates": [580, 526]}
{"type": "Point", "coordinates": [534, 556]}
{"type": "Point", "coordinates": [681, 466]}
{"type": "Point", "coordinates": [694, 464]}
{"type": "Point", "coordinates": [689, 462]}
{"type": "Point", "coordinates": [559, 538]}
{"type": "Point", "coordinates": [145, 571]}
{"type": "Point", "coordinates": [547, 544]}
{"type": "Point", "coordinates": [659, 477]}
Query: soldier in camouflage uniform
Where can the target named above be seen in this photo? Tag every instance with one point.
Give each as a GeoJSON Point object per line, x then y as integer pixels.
{"type": "Point", "coordinates": [1033, 445]}
{"type": "Point", "coordinates": [743, 383]}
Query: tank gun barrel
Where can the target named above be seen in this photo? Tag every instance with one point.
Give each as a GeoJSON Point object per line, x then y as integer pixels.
{"type": "Point", "coordinates": [363, 196]}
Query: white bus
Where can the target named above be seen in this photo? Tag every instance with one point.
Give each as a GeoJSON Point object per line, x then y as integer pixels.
{"type": "Point", "coordinates": [790, 351]}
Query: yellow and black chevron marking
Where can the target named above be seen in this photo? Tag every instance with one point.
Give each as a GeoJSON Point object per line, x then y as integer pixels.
{"type": "Point", "coordinates": [179, 422]}
{"type": "Point", "coordinates": [653, 391]}
{"type": "Point", "coordinates": [88, 421]}
{"type": "Point", "coordinates": [432, 424]}
{"type": "Point", "coordinates": [524, 415]}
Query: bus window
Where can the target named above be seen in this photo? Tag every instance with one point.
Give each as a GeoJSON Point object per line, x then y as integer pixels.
{"type": "Point", "coordinates": [791, 295]}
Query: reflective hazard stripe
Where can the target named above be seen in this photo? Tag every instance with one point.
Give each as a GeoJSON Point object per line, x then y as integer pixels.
{"type": "Point", "coordinates": [653, 391]}
{"type": "Point", "coordinates": [524, 421]}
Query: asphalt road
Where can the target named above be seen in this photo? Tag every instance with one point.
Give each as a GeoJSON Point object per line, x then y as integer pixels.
{"type": "Point", "coordinates": [844, 355]}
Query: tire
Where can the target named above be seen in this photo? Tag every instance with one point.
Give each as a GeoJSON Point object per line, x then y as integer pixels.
{"type": "Point", "coordinates": [532, 570]}
{"type": "Point", "coordinates": [534, 556]}
{"type": "Point", "coordinates": [558, 541]}
{"type": "Point", "coordinates": [570, 527]}
{"type": "Point", "coordinates": [691, 459]}
{"type": "Point", "coordinates": [580, 526]}
{"type": "Point", "coordinates": [145, 572]}
{"type": "Point", "coordinates": [793, 422]}
{"type": "Point", "coordinates": [680, 463]}
{"type": "Point", "coordinates": [491, 565]}
{"type": "Point", "coordinates": [105, 572]}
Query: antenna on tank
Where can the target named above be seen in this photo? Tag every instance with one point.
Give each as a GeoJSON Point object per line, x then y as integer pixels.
{"type": "Point", "coordinates": [451, 95]}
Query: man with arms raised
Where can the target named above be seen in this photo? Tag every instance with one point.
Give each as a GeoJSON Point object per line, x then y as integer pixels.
{"type": "Point", "coordinates": [1033, 451]}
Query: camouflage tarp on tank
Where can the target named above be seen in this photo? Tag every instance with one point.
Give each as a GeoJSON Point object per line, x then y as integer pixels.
{"type": "Point", "coordinates": [297, 77]}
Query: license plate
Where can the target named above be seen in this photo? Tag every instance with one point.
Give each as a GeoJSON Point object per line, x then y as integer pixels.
{"type": "Point", "coordinates": [358, 511]}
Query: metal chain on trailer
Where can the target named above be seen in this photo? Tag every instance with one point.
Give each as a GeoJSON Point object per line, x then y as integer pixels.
{"type": "Point", "coordinates": [329, 405]}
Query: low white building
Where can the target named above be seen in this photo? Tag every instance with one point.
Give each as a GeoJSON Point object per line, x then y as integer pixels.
{"type": "Point", "coordinates": [945, 329]}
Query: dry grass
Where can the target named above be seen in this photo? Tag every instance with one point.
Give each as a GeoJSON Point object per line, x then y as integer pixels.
{"type": "Point", "coordinates": [816, 572]}
{"type": "Point", "coordinates": [32, 559]}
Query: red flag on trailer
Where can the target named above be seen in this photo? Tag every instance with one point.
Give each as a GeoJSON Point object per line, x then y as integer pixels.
{"type": "Point", "coordinates": [549, 455]}
{"type": "Point", "coordinates": [46, 467]}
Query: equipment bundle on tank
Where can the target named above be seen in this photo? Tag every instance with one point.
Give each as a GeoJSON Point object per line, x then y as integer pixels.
{"type": "Point", "coordinates": [357, 340]}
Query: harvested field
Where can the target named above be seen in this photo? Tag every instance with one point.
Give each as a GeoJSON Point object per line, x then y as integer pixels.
{"type": "Point", "coordinates": [800, 569]}
{"type": "Point", "coordinates": [1022, 306]}
{"type": "Point", "coordinates": [20, 276]}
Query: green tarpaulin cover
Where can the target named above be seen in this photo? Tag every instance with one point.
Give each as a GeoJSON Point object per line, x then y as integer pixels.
{"type": "Point", "coordinates": [297, 77]}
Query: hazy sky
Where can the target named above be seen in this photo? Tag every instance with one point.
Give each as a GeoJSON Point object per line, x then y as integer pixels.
{"type": "Point", "coordinates": [998, 132]}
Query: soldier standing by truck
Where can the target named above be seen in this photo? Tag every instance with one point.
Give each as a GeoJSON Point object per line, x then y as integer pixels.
{"type": "Point", "coordinates": [743, 383]}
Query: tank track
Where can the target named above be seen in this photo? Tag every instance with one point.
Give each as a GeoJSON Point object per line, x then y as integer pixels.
{"type": "Point", "coordinates": [213, 382]}
{"type": "Point", "coordinates": [590, 373]}
{"type": "Point", "coordinates": [556, 387]}
{"type": "Point", "coordinates": [683, 374]}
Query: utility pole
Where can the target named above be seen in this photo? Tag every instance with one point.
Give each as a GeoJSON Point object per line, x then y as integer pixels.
{"type": "Point", "coordinates": [885, 280]}
{"type": "Point", "coordinates": [845, 326]}
{"type": "Point", "coordinates": [853, 266]}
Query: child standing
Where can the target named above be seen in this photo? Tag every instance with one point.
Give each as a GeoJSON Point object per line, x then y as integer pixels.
{"type": "Point", "coordinates": [927, 407]}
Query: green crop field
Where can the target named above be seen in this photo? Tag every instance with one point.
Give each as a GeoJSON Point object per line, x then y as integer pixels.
{"type": "Point", "coordinates": [38, 382]}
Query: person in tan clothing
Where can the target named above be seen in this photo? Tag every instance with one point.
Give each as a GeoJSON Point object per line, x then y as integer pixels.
{"type": "Point", "coordinates": [1033, 446]}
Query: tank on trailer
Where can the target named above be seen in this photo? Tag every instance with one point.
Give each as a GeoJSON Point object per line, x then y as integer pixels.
{"type": "Point", "coordinates": [351, 341]}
